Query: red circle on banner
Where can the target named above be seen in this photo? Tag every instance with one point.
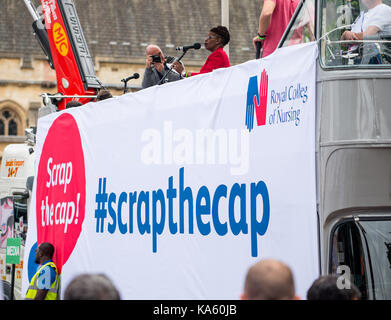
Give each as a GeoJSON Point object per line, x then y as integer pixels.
{"type": "Point", "coordinates": [61, 188]}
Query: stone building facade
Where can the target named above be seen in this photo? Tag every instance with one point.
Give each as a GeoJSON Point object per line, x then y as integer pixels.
{"type": "Point", "coordinates": [117, 32]}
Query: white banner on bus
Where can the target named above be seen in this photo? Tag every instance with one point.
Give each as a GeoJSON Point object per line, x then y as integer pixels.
{"type": "Point", "coordinates": [175, 191]}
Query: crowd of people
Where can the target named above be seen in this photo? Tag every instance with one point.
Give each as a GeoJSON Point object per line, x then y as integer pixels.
{"type": "Point", "coordinates": [268, 279]}
{"type": "Point", "coordinates": [271, 279]}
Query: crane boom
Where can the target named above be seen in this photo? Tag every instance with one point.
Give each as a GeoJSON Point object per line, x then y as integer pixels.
{"type": "Point", "coordinates": [64, 43]}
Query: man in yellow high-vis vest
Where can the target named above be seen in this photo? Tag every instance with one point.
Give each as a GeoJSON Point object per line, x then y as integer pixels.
{"type": "Point", "coordinates": [44, 285]}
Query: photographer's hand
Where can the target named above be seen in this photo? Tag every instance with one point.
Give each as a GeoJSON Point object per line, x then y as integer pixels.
{"type": "Point", "coordinates": [159, 66]}
{"type": "Point", "coordinates": [148, 62]}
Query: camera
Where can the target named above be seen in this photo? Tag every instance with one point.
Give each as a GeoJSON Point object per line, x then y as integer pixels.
{"type": "Point", "coordinates": [156, 59]}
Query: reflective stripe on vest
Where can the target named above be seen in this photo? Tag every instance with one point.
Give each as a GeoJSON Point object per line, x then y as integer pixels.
{"type": "Point", "coordinates": [52, 293]}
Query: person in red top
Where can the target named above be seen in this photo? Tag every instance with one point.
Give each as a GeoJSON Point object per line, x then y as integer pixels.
{"type": "Point", "coordinates": [217, 38]}
{"type": "Point", "coordinates": [274, 19]}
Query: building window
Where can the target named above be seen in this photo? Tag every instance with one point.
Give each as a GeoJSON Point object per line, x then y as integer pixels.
{"type": "Point", "coordinates": [9, 122]}
{"type": "Point", "coordinates": [1, 128]}
{"type": "Point", "coordinates": [303, 27]}
{"type": "Point", "coordinates": [12, 128]}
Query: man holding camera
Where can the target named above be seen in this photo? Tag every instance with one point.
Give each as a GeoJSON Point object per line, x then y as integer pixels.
{"type": "Point", "coordinates": [156, 68]}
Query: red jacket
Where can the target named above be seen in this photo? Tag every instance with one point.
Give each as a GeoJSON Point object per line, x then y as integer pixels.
{"type": "Point", "coordinates": [217, 59]}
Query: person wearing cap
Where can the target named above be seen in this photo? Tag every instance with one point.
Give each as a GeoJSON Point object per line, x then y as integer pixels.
{"type": "Point", "coordinates": [217, 38]}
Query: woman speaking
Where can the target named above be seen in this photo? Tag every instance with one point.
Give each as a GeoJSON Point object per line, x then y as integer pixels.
{"type": "Point", "coordinates": [217, 38]}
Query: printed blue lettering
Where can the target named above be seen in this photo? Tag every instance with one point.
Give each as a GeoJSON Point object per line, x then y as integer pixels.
{"type": "Point", "coordinates": [273, 97]}
{"type": "Point", "coordinates": [203, 209]}
{"type": "Point", "coordinates": [157, 228]}
{"type": "Point", "coordinates": [112, 226]}
{"type": "Point", "coordinates": [288, 116]}
{"type": "Point", "coordinates": [171, 194]}
{"type": "Point", "coordinates": [123, 197]}
{"type": "Point", "coordinates": [238, 191]}
{"type": "Point", "coordinates": [290, 93]}
{"type": "Point", "coordinates": [258, 227]}
{"type": "Point", "coordinates": [206, 204]}
{"type": "Point", "coordinates": [143, 227]}
{"type": "Point", "coordinates": [278, 97]}
{"type": "Point", "coordinates": [185, 195]}
{"type": "Point", "coordinates": [221, 228]}
{"type": "Point", "coordinates": [132, 201]}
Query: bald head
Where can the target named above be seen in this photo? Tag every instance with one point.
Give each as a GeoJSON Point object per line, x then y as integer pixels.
{"type": "Point", "coordinates": [153, 50]}
{"type": "Point", "coordinates": [269, 280]}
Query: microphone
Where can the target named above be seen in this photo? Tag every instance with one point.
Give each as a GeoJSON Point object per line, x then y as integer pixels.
{"type": "Point", "coordinates": [195, 46]}
{"type": "Point", "coordinates": [134, 76]}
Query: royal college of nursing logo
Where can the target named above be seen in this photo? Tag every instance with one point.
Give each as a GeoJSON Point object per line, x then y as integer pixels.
{"type": "Point", "coordinates": [257, 100]}
{"type": "Point", "coordinates": [285, 101]}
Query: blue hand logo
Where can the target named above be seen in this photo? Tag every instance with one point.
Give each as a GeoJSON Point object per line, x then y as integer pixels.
{"type": "Point", "coordinates": [252, 100]}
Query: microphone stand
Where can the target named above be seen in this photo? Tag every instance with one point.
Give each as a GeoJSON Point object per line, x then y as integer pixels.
{"type": "Point", "coordinates": [125, 81]}
{"type": "Point", "coordinates": [125, 85]}
{"type": "Point", "coordinates": [172, 65]}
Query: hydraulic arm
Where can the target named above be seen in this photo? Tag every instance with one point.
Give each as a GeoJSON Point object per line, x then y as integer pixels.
{"type": "Point", "coordinates": [61, 37]}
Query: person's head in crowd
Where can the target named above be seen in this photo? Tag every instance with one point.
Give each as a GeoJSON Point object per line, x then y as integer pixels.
{"type": "Point", "coordinates": [103, 94]}
{"type": "Point", "coordinates": [91, 287]}
{"type": "Point", "coordinates": [326, 288]}
{"type": "Point", "coordinates": [73, 104]}
{"type": "Point", "coordinates": [269, 279]}
{"type": "Point", "coordinates": [44, 252]}
{"type": "Point", "coordinates": [217, 37]}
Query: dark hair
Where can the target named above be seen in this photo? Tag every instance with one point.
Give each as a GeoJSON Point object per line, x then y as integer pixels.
{"type": "Point", "coordinates": [91, 287]}
{"type": "Point", "coordinates": [103, 95]}
{"type": "Point", "coordinates": [222, 32]}
{"type": "Point", "coordinates": [326, 288]}
{"type": "Point", "coordinates": [47, 249]}
{"type": "Point", "coordinates": [73, 104]}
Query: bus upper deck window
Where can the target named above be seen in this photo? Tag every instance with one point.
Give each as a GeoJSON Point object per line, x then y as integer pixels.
{"type": "Point", "coordinates": [303, 27]}
{"type": "Point", "coordinates": [355, 33]}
